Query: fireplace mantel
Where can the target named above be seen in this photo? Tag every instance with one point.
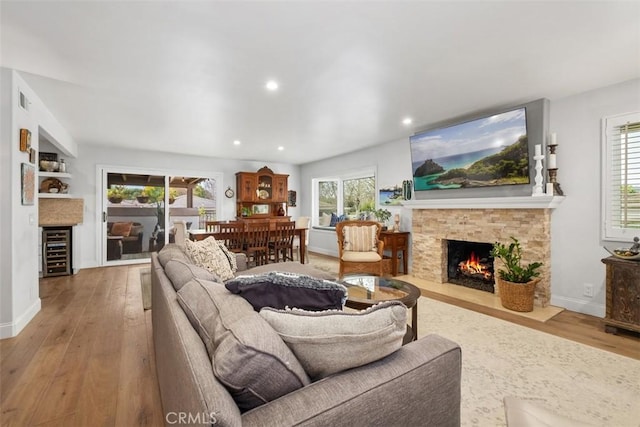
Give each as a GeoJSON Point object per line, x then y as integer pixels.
{"type": "Point", "coordinates": [524, 202]}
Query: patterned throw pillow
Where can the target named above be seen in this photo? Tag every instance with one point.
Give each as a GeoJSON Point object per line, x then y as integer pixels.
{"type": "Point", "coordinates": [326, 342]}
{"type": "Point", "coordinates": [279, 289]}
{"type": "Point", "coordinates": [207, 254]}
{"type": "Point", "coordinates": [360, 239]}
{"type": "Point", "coordinates": [121, 229]}
{"type": "Point", "coordinates": [230, 256]}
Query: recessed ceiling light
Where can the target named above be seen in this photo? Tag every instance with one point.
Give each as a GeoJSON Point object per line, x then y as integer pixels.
{"type": "Point", "coordinates": [272, 85]}
{"type": "Point", "coordinates": [407, 121]}
{"type": "Point", "coordinates": [236, 142]}
{"type": "Point", "coordinates": [280, 148]}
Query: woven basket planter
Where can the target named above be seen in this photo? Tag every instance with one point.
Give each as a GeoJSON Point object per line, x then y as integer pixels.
{"type": "Point", "coordinates": [517, 296]}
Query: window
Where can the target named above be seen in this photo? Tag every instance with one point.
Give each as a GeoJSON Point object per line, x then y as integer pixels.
{"type": "Point", "coordinates": [348, 195]}
{"type": "Point", "coordinates": [621, 177]}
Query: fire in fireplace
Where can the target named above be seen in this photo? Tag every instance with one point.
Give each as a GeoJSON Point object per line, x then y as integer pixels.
{"type": "Point", "coordinates": [470, 264]}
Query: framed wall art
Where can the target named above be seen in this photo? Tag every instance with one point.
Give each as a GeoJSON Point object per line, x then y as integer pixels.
{"type": "Point", "coordinates": [25, 140]}
{"type": "Point", "coordinates": [32, 155]}
{"type": "Point", "coordinates": [28, 184]}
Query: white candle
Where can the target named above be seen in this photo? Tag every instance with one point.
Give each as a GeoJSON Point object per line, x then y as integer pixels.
{"type": "Point", "coordinates": [550, 188]}
{"type": "Point", "coordinates": [554, 140]}
{"type": "Point", "coordinates": [538, 149]}
{"type": "Point", "coordinates": [552, 161]}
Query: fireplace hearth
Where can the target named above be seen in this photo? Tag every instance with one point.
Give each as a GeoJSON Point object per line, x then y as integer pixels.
{"type": "Point", "coordinates": [470, 264]}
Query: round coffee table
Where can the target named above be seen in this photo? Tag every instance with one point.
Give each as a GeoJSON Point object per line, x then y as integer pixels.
{"type": "Point", "coordinates": [365, 291]}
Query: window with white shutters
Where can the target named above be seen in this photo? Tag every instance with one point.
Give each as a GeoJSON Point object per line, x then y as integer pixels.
{"type": "Point", "coordinates": [621, 177]}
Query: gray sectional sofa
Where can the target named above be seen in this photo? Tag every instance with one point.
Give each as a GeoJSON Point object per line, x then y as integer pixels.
{"type": "Point", "coordinates": [417, 385]}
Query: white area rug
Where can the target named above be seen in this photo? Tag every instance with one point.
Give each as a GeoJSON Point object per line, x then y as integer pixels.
{"type": "Point", "coordinates": [502, 359]}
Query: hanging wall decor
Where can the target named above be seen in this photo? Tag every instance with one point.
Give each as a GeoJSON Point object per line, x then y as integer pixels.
{"type": "Point", "coordinates": [291, 198]}
{"type": "Point", "coordinates": [28, 183]}
{"type": "Point", "coordinates": [25, 140]}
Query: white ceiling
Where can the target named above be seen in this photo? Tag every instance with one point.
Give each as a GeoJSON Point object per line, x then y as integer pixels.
{"type": "Point", "coordinates": [188, 77]}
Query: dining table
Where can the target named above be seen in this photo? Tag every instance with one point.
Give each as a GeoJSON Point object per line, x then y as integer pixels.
{"type": "Point", "coordinates": [201, 234]}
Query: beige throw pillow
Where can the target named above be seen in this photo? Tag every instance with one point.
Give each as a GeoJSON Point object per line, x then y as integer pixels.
{"type": "Point", "coordinates": [360, 239]}
{"type": "Point", "coordinates": [326, 342]}
{"type": "Point", "coordinates": [207, 254]}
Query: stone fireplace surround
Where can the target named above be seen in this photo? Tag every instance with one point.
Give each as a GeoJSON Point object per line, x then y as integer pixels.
{"type": "Point", "coordinates": [493, 219]}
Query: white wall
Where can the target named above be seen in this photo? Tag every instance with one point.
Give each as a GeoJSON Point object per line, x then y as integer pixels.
{"type": "Point", "coordinates": [19, 293]}
{"type": "Point", "coordinates": [90, 157]}
{"type": "Point", "coordinates": [576, 249]}
{"type": "Point", "coordinates": [575, 233]}
{"type": "Point", "coordinates": [392, 162]}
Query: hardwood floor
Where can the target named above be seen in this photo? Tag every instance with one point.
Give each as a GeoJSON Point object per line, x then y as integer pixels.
{"type": "Point", "coordinates": [87, 357]}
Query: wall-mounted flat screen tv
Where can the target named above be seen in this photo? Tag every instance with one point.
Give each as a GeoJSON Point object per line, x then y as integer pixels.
{"type": "Point", "coordinates": [486, 152]}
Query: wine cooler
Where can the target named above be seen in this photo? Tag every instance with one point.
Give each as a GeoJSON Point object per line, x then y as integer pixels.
{"type": "Point", "coordinates": [56, 251]}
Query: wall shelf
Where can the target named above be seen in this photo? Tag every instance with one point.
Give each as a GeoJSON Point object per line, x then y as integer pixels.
{"type": "Point", "coordinates": [58, 175]}
{"type": "Point", "coordinates": [54, 196]}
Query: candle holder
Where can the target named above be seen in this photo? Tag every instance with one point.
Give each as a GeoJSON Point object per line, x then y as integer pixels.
{"type": "Point", "coordinates": [553, 173]}
{"type": "Point", "coordinates": [537, 188]}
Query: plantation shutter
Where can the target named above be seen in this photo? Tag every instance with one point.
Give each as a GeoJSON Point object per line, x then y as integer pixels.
{"type": "Point", "coordinates": [622, 177]}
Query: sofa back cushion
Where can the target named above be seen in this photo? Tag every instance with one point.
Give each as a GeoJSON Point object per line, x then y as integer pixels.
{"type": "Point", "coordinates": [248, 356]}
{"type": "Point", "coordinates": [181, 272]}
{"type": "Point", "coordinates": [172, 251]}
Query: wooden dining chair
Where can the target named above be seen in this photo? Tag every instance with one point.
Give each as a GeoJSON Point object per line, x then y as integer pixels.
{"type": "Point", "coordinates": [256, 242]}
{"type": "Point", "coordinates": [232, 233]}
{"type": "Point", "coordinates": [281, 241]}
{"type": "Point", "coordinates": [302, 222]}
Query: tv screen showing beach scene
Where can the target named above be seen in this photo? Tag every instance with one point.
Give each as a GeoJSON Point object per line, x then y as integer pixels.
{"type": "Point", "coordinates": [486, 152]}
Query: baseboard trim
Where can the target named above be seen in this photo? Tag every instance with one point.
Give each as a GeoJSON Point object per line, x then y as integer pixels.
{"type": "Point", "coordinates": [11, 329]}
{"type": "Point", "coordinates": [322, 251]}
{"type": "Point", "coordinates": [579, 306]}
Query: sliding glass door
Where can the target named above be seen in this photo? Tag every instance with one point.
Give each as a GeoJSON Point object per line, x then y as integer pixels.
{"type": "Point", "coordinates": [144, 211]}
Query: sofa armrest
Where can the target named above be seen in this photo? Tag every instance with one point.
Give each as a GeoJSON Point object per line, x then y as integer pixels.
{"type": "Point", "coordinates": [417, 385]}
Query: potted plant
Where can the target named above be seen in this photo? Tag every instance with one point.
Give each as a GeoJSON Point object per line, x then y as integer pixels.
{"type": "Point", "coordinates": [382, 215]}
{"type": "Point", "coordinates": [516, 282]}
{"type": "Point", "coordinates": [142, 197]}
{"type": "Point", "coordinates": [115, 194]}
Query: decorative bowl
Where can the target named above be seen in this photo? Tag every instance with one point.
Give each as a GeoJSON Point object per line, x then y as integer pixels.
{"type": "Point", "coordinates": [48, 165]}
{"type": "Point", "coordinates": [624, 253]}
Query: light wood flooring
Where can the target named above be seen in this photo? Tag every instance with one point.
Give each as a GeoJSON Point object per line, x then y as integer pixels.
{"type": "Point", "coordinates": [87, 356]}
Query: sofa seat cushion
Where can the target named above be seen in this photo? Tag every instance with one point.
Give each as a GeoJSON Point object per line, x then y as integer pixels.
{"type": "Point", "coordinates": [181, 272]}
{"type": "Point", "coordinates": [280, 289]}
{"type": "Point", "coordinates": [248, 356]}
{"type": "Point", "coordinates": [361, 256]}
{"type": "Point", "coordinates": [327, 342]}
{"type": "Point", "coordinates": [208, 254]}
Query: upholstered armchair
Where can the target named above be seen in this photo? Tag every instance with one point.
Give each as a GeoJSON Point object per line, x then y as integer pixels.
{"type": "Point", "coordinates": [359, 247]}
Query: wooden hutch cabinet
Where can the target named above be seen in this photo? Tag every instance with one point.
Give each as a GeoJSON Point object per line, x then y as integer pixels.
{"type": "Point", "coordinates": [623, 295]}
{"type": "Point", "coordinates": [262, 193]}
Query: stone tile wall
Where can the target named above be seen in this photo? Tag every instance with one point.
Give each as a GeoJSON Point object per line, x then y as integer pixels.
{"type": "Point", "coordinates": [433, 227]}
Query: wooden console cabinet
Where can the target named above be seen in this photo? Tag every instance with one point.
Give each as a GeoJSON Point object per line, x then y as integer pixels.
{"type": "Point", "coordinates": [623, 295]}
{"type": "Point", "coordinates": [263, 192]}
{"type": "Point", "coordinates": [397, 243]}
